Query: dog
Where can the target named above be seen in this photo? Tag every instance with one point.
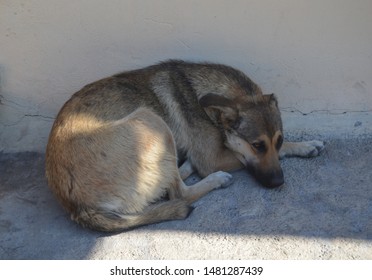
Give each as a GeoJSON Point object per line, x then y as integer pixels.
{"type": "Point", "coordinates": [115, 148]}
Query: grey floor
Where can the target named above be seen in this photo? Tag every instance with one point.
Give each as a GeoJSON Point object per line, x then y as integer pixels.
{"type": "Point", "coordinates": [324, 211]}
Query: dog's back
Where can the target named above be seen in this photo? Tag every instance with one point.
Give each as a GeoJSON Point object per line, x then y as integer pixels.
{"type": "Point", "coordinates": [171, 90]}
{"type": "Point", "coordinates": [111, 157]}
{"type": "Point", "coordinates": [111, 154]}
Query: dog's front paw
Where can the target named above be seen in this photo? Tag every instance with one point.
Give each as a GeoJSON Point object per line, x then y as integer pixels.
{"type": "Point", "coordinates": [221, 179]}
{"type": "Point", "coordinates": [311, 148]}
{"type": "Point", "coordinates": [301, 149]}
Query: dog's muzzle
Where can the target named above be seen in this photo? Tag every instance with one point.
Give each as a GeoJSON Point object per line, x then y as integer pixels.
{"type": "Point", "coordinates": [270, 179]}
{"type": "Point", "coordinates": [275, 179]}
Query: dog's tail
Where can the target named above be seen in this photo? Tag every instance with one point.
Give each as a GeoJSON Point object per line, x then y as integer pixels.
{"type": "Point", "coordinates": [110, 221]}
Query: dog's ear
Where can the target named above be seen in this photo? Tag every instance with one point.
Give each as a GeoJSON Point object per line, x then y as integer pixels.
{"type": "Point", "coordinates": [220, 109]}
{"type": "Point", "coordinates": [271, 100]}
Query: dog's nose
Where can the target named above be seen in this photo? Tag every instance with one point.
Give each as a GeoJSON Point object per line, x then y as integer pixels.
{"type": "Point", "coordinates": [276, 182]}
{"type": "Point", "coordinates": [275, 179]}
{"type": "Point", "coordinates": [269, 179]}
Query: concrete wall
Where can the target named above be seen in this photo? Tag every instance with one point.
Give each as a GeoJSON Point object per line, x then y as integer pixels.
{"type": "Point", "coordinates": [315, 55]}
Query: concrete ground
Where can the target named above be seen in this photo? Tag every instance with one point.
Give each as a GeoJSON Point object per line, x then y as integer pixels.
{"type": "Point", "coordinates": [324, 211]}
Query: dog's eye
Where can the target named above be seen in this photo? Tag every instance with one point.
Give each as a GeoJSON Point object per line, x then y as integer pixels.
{"type": "Point", "coordinates": [259, 146]}
{"type": "Point", "coordinates": [279, 142]}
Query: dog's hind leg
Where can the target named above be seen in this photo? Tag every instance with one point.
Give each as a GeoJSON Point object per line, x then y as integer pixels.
{"type": "Point", "coordinates": [301, 149]}
{"type": "Point", "coordinates": [111, 221]}
{"type": "Point", "coordinates": [129, 167]}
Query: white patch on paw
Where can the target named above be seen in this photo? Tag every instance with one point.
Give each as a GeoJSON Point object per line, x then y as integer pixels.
{"type": "Point", "coordinates": [312, 148]}
{"type": "Point", "coordinates": [221, 179]}
{"type": "Point", "coordinates": [186, 170]}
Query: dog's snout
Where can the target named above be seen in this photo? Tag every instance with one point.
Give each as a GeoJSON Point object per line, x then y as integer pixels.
{"type": "Point", "coordinates": [276, 179]}
{"type": "Point", "coordinates": [271, 179]}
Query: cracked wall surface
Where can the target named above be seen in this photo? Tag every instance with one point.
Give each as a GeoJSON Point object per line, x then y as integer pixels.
{"type": "Point", "coordinates": [315, 55]}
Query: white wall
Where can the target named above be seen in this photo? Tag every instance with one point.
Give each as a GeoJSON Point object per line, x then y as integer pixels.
{"type": "Point", "coordinates": [316, 55]}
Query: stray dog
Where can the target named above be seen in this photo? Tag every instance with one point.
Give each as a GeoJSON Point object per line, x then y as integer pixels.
{"type": "Point", "coordinates": [113, 152]}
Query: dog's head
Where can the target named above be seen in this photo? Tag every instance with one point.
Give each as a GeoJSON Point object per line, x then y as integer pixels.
{"type": "Point", "coordinates": [252, 128]}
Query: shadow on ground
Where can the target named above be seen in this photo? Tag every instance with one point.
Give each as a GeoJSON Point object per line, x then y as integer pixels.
{"type": "Point", "coordinates": [328, 197]}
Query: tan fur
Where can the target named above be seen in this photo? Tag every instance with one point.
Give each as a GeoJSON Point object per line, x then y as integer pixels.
{"type": "Point", "coordinates": [113, 152]}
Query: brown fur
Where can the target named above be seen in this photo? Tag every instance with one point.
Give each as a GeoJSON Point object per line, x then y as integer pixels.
{"type": "Point", "coordinates": [113, 152]}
